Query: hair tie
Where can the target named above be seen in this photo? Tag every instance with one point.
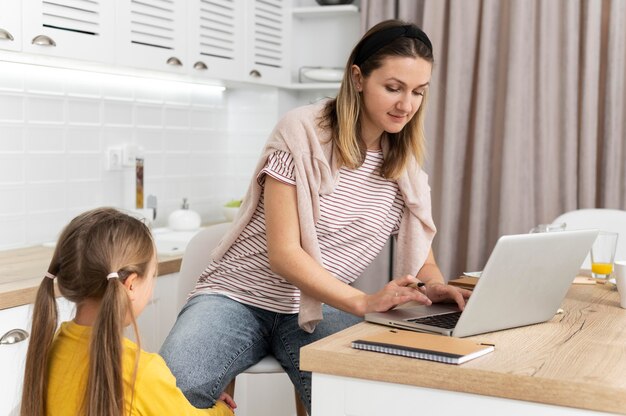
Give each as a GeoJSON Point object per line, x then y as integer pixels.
{"type": "Point", "coordinates": [113, 275]}
{"type": "Point", "coordinates": [50, 276]}
{"type": "Point", "coordinates": [377, 40]}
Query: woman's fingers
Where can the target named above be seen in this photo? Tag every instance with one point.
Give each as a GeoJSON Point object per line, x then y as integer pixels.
{"type": "Point", "coordinates": [441, 292]}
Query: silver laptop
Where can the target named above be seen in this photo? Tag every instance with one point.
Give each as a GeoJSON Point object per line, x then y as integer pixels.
{"type": "Point", "coordinates": [524, 282]}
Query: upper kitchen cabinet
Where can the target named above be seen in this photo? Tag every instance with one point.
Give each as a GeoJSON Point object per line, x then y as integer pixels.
{"type": "Point", "coordinates": [10, 25]}
{"type": "Point", "coordinates": [77, 29]}
{"type": "Point", "coordinates": [323, 37]}
{"type": "Point", "coordinates": [267, 41]}
{"type": "Point", "coordinates": [152, 34]}
{"type": "Point", "coordinates": [216, 38]}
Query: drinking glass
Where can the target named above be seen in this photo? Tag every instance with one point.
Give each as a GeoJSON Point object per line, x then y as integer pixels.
{"type": "Point", "coordinates": [548, 228]}
{"type": "Point", "coordinates": [603, 254]}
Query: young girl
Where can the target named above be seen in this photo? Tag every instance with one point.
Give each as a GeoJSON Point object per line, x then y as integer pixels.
{"type": "Point", "coordinates": [335, 180]}
{"type": "Point", "coordinates": [105, 262]}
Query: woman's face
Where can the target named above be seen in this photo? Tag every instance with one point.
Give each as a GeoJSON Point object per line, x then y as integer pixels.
{"type": "Point", "coordinates": [391, 94]}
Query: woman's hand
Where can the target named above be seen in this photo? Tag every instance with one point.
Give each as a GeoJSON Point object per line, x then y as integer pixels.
{"type": "Point", "coordinates": [398, 291]}
{"type": "Point", "coordinates": [439, 292]}
{"type": "Point", "coordinates": [225, 397]}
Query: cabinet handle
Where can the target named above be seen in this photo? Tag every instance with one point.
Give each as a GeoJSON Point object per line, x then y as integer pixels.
{"type": "Point", "coordinates": [13, 337]}
{"type": "Point", "coordinates": [255, 74]}
{"type": "Point", "coordinates": [43, 40]}
{"type": "Point", "coordinates": [201, 66]}
{"type": "Point", "coordinates": [174, 61]}
{"type": "Point", "coordinates": [5, 34]}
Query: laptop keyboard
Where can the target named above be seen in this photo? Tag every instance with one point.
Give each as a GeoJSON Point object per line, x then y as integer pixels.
{"type": "Point", "coordinates": [444, 320]}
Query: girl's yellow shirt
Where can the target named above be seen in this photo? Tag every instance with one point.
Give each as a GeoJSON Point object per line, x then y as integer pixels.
{"type": "Point", "coordinates": [155, 387]}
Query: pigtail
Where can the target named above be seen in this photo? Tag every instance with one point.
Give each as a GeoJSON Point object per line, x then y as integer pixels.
{"type": "Point", "coordinates": [45, 319]}
{"type": "Point", "coordinates": [105, 383]}
{"type": "Point", "coordinates": [105, 386]}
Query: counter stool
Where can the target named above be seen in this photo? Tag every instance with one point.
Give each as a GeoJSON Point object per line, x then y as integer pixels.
{"type": "Point", "coordinates": [195, 260]}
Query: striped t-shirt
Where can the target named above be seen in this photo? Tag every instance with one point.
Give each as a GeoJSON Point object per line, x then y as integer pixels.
{"type": "Point", "coordinates": [355, 222]}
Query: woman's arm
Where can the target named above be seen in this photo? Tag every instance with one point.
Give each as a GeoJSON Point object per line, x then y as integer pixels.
{"type": "Point", "coordinates": [436, 288]}
{"type": "Point", "coordinates": [288, 259]}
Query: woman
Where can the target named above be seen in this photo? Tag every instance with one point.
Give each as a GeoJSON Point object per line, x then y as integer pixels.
{"type": "Point", "coordinates": [335, 180]}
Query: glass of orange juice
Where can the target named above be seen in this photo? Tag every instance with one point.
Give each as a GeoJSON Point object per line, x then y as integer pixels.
{"type": "Point", "coordinates": [602, 255]}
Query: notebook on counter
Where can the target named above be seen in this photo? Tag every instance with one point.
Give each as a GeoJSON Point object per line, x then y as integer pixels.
{"type": "Point", "coordinates": [523, 283]}
{"type": "Point", "coordinates": [423, 346]}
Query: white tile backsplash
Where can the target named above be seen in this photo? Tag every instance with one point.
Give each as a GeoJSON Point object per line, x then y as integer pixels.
{"type": "Point", "coordinates": [13, 201]}
{"type": "Point", "coordinates": [13, 233]}
{"type": "Point", "coordinates": [45, 167]}
{"type": "Point", "coordinates": [83, 139]}
{"type": "Point", "coordinates": [11, 138]}
{"type": "Point", "coordinates": [45, 139]}
{"type": "Point", "coordinates": [85, 195]}
{"type": "Point", "coordinates": [42, 198]}
{"type": "Point", "coordinates": [56, 128]}
{"type": "Point", "coordinates": [149, 115]}
{"type": "Point", "coordinates": [83, 111]}
{"type": "Point", "coordinates": [44, 226]}
{"type": "Point", "coordinates": [11, 107]}
{"type": "Point", "coordinates": [176, 116]}
{"type": "Point", "coordinates": [84, 166]}
{"type": "Point", "coordinates": [45, 109]}
{"type": "Point", "coordinates": [12, 169]}
{"type": "Point", "coordinates": [176, 140]}
{"type": "Point", "coordinates": [151, 139]}
{"type": "Point", "coordinates": [117, 113]}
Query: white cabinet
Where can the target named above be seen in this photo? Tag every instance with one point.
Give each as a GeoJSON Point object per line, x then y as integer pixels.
{"type": "Point", "coordinates": [323, 37]}
{"type": "Point", "coordinates": [268, 41]}
{"type": "Point", "coordinates": [240, 40]}
{"type": "Point", "coordinates": [159, 316]}
{"type": "Point", "coordinates": [77, 29]}
{"type": "Point", "coordinates": [10, 25]}
{"type": "Point", "coordinates": [216, 38]}
{"type": "Point", "coordinates": [13, 356]}
{"type": "Point", "coordinates": [152, 34]}
{"type": "Point", "coordinates": [258, 41]}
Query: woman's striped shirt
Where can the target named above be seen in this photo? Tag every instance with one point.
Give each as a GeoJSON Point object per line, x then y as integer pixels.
{"type": "Point", "coordinates": [355, 222]}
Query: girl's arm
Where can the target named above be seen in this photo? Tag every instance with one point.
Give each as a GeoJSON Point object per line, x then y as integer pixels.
{"type": "Point", "coordinates": [289, 260]}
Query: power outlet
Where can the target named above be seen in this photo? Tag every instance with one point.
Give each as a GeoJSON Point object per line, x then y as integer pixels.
{"type": "Point", "coordinates": [114, 158]}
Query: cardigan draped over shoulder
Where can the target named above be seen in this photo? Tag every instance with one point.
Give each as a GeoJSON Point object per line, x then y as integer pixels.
{"type": "Point", "coordinates": [316, 168]}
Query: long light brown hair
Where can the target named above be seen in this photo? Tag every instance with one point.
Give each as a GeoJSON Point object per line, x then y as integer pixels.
{"type": "Point", "coordinates": [342, 114]}
{"type": "Point", "coordinates": [90, 247]}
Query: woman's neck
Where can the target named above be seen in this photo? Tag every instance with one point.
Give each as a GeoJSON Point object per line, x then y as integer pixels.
{"type": "Point", "coordinates": [372, 143]}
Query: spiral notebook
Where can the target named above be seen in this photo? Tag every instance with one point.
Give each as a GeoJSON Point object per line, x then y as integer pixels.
{"type": "Point", "coordinates": [424, 346]}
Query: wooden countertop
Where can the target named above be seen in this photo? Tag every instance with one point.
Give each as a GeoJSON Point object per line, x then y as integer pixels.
{"type": "Point", "coordinates": [577, 359]}
{"type": "Point", "coordinates": [21, 271]}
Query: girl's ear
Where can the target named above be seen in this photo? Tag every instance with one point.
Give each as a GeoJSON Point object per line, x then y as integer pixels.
{"type": "Point", "coordinates": [357, 77]}
{"type": "Point", "coordinates": [130, 283]}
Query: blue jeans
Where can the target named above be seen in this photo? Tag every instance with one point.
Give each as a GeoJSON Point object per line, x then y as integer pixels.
{"type": "Point", "coordinates": [215, 338]}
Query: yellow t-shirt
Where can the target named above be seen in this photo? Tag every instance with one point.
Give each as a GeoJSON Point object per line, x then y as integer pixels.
{"type": "Point", "coordinates": [155, 387]}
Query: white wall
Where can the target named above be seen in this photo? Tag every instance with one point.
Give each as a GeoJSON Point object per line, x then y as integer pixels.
{"type": "Point", "coordinates": [56, 126]}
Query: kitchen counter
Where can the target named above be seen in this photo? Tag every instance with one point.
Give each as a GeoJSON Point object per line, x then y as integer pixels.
{"type": "Point", "coordinates": [21, 271]}
{"type": "Point", "coordinates": [574, 361]}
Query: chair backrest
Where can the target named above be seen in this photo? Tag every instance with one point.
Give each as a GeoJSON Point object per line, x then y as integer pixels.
{"type": "Point", "coordinates": [197, 257]}
{"type": "Point", "coordinates": [601, 218]}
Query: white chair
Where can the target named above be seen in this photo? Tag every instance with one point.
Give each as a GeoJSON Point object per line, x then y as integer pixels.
{"type": "Point", "coordinates": [195, 260]}
{"type": "Point", "coordinates": [601, 218]}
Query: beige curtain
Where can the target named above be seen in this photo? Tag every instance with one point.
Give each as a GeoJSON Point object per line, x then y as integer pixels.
{"type": "Point", "coordinates": [526, 116]}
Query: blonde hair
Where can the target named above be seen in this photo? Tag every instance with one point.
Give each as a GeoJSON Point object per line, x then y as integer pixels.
{"type": "Point", "coordinates": [90, 247]}
{"type": "Point", "coordinates": [342, 114]}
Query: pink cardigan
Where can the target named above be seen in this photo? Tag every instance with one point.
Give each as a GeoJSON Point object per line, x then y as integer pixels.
{"type": "Point", "coordinates": [317, 173]}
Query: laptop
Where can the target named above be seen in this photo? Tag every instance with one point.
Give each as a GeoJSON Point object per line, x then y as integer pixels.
{"type": "Point", "coordinates": [524, 282]}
